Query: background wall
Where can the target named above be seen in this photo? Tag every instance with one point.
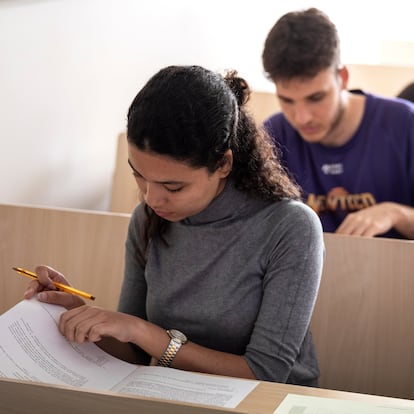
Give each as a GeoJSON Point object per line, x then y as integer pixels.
{"type": "Point", "coordinates": [70, 68]}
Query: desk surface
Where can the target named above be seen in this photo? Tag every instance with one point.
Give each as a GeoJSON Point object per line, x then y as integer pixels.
{"type": "Point", "coordinates": [267, 396]}
{"type": "Point", "coordinates": [264, 399]}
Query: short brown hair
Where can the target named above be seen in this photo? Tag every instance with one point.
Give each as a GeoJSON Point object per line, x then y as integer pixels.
{"type": "Point", "coordinates": [301, 44]}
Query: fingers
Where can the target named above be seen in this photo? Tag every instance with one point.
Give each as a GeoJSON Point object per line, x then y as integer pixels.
{"type": "Point", "coordinates": [45, 275]}
{"type": "Point", "coordinates": [91, 324]}
{"type": "Point", "coordinates": [64, 299]}
{"type": "Point", "coordinates": [352, 226]}
{"type": "Point", "coordinates": [356, 229]}
{"type": "Point", "coordinates": [83, 324]}
{"type": "Point", "coordinates": [369, 222]}
{"type": "Point", "coordinates": [47, 292]}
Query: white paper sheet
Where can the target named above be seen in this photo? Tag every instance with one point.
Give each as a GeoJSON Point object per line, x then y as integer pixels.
{"type": "Point", "coordinates": [301, 404]}
{"type": "Point", "coordinates": [32, 349]}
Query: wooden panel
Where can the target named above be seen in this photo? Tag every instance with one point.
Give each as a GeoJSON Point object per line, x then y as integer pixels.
{"type": "Point", "coordinates": [66, 400]}
{"type": "Point", "coordinates": [262, 104]}
{"type": "Point", "coordinates": [362, 324]}
{"type": "Point", "coordinates": [264, 399]}
{"type": "Point", "coordinates": [125, 194]}
{"type": "Point", "coordinates": [88, 247]}
{"type": "Point", "coordinates": [381, 79]}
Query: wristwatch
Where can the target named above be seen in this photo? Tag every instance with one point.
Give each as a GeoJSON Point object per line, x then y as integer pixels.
{"type": "Point", "coordinates": [177, 340]}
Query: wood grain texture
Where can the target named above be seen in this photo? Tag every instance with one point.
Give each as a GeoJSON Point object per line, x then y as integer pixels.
{"type": "Point", "coordinates": [362, 323]}
{"type": "Point", "coordinates": [50, 399]}
{"type": "Point", "coordinates": [86, 246]}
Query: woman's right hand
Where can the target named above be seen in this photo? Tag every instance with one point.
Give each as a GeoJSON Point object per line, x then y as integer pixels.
{"type": "Point", "coordinates": [47, 292]}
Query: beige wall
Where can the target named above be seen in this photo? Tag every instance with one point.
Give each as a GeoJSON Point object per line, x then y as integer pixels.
{"type": "Point", "coordinates": [70, 69]}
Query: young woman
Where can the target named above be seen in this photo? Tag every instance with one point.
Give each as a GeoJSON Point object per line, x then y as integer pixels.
{"type": "Point", "coordinates": [223, 261]}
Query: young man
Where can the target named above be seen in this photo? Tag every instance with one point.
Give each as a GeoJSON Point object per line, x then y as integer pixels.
{"type": "Point", "coordinates": [351, 152]}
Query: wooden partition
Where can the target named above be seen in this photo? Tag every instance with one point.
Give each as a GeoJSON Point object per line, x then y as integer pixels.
{"type": "Point", "coordinates": [125, 193]}
{"type": "Point", "coordinates": [384, 80]}
{"type": "Point", "coordinates": [87, 246]}
{"type": "Point", "coordinates": [362, 321]}
{"type": "Point", "coordinates": [53, 399]}
{"type": "Point", "coordinates": [264, 399]}
{"type": "Point", "coordinates": [362, 324]}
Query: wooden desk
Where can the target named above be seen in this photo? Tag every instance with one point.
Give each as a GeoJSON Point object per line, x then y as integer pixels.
{"type": "Point", "coordinates": [264, 399]}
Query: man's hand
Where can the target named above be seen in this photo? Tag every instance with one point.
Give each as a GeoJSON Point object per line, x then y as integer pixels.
{"type": "Point", "coordinates": [379, 219]}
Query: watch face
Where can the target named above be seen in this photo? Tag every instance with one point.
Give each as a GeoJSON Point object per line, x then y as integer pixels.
{"type": "Point", "coordinates": [177, 335]}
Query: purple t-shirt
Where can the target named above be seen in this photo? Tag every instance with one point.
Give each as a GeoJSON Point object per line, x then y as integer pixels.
{"type": "Point", "coordinates": [376, 165]}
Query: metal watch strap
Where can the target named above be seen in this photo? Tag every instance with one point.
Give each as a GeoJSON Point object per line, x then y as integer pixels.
{"type": "Point", "coordinates": [172, 349]}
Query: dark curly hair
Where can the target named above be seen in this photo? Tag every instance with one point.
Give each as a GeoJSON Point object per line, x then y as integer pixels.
{"type": "Point", "coordinates": [195, 115]}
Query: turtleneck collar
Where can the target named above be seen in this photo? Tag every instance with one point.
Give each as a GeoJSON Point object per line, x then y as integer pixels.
{"type": "Point", "coordinates": [227, 205]}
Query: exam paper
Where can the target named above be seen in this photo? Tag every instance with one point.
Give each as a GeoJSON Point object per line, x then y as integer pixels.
{"type": "Point", "coordinates": [32, 349]}
{"type": "Point", "coordinates": [173, 384]}
{"type": "Point", "coordinates": [301, 404]}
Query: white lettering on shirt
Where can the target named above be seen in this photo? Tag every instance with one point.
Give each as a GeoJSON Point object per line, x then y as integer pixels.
{"type": "Point", "coordinates": [332, 169]}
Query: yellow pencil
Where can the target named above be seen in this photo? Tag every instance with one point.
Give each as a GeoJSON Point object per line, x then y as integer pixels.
{"type": "Point", "coordinates": [60, 286]}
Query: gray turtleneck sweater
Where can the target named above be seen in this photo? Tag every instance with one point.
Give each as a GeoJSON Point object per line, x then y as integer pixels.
{"type": "Point", "coordinates": [241, 276]}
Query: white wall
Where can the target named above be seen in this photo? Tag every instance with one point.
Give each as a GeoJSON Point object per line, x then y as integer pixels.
{"type": "Point", "coordinates": [70, 68]}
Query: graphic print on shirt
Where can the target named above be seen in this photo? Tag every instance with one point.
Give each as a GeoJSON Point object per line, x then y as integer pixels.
{"type": "Point", "coordinates": [338, 199]}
